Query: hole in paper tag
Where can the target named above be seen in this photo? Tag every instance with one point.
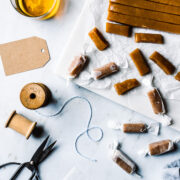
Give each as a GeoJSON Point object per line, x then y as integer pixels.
{"type": "Point", "coordinates": [24, 55]}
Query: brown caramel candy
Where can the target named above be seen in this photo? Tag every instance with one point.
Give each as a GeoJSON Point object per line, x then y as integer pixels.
{"type": "Point", "coordinates": [106, 70]}
{"type": "Point", "coordinates": [156, 101]}
{"type": "Point", "coordinates": [161, 147]}
{"type": "Point", "coordinates": [98, 39]}
{"type": "Point", "coordinates": [77, 66]}
{"type": "Point", "coordinates": [118, 29]}
{"type": "Point", "coordinates": [140, 62]}
{"type": "Point", "coordinates": [163, 63]}
{"type": "Point", "coordinates": [134, 128]}
{"type": "Point", "coordinates": [125, 86]}
{"type": "Point", "coordinates": [177, 77]}
{"type": "Point", "coordinates": [149, 38]}
{"type": "Point", "coordinates": [124, 162]}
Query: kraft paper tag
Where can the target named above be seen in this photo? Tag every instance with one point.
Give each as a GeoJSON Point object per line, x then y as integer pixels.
{"type": "Point", "coordinates": [24, 55]}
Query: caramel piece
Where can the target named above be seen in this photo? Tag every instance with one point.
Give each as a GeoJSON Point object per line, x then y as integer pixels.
{"type": "Point", "coordinates": [77, 66]}
{"type": "Point", "coordinates": [156, 101]}
{"type": "Point", "coordinates": [144, 13]}
{"type": "Point", "coordinates": [35, 95]}
{"type": "Point", "coordinates": [148, 38]}
{"type": "Point", "coordinates": [177, 77]}
{"type": "Point", "coordinates": [119, 29]}
{"type": "Point", "coordinates": [140, 62]}
{"type": "Point", "coordinates": [124, 162]}
{"type": "Point", "coordinates": [143, 4]}
{"type": "Point", "coordinates": [104, 71]}
{"type": "Point", "coordinates": [169, 2]}
{"type": "Point", "coordinates": [142, 22]}
{"type": "Point", "coordinates": [161, 147]}
{"type": "Point", "coordinates": [163, 63]}
{"type": "Point", "coordinates": [134, 128]}
{"type": "Point", "coordinates": [125, 86]}
{"type": "Point", "coordinates": [98, 39]}
{"type": "Point", "coordinates": [20, 124]}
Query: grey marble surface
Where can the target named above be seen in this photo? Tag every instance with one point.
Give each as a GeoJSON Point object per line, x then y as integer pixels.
{"type": "Point", "coordinates": [73, 120]}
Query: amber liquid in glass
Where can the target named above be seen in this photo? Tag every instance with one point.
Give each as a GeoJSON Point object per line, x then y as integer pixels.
{"type": "Point", "coordinates": [39, 8]}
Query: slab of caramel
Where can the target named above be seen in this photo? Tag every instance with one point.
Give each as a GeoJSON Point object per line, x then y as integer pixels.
{"type": "Point", "coordinates": [160, 147]}
{"type": "Point", "coordinates": [119, 29]}
{"type": "Point", "coordinates": [169, 2]}
{"type": "Point", "coordinates": [177, 77]}
{"type": "Point", "coordinates": [144, 13]}
{"type": "Point", "coordinates": [149, 38]}
{"type": "Point", "coordinates": [105, 70]}
{"type": "Point", "coordinates": [125, 86]}
{"type": "Point", "coordinates": [140, 62]}
{"type": "Point", "coordinates": [134, 128]}
{"type": "Point", "coordinates": [144, 4]}
{"type": "Point", "coordinates": [163, 63]}
{"type": "Point", "coordinates": [98, 39]}
{"type": "Point", "coordinates": [156, 101]}
{"type": "Point", "coordinates": [142, 22]}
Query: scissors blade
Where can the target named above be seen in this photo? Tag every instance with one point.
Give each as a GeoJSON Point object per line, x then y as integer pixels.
{"type": "Point", "coordinates": [47, 151]}
{"type": "Point", "coordinates": [39, 151]}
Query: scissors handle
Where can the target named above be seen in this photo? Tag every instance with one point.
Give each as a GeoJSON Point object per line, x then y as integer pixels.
{"type": "Point", "coordinates": [18, 171]}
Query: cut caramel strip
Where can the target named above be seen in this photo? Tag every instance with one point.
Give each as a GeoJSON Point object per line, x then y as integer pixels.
{"type": "Point", "coordinates": [177, 77]}
{"type": "Point", "coordinates": [142, 22]}
{"type": "Point", "coordinates": [98, 39]}
{"type": "Point", "coordinates": [143, 4]}
{"type": "Point", "coordinates": [161, 147]}
{"type": "Point", "coordinates": [140, 62]}
{"type": "Point", "coordinates": [163, 63]}
{"type": "Point", "coordinates": [118, 29]}
{"type": "Point", "coordinates": [169, 2]}
{"type": "Point", "coordinates": [149, 38]}
{"type": "Point", "coordinates": [125, 86]}
{"type": "Point", "coordinates": [148, 14]}
{"type": "Point", "coordinates": [134, 128]}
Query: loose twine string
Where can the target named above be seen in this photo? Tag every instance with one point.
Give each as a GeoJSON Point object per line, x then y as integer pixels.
{"type": "Point", "coordinates": [88, 129]}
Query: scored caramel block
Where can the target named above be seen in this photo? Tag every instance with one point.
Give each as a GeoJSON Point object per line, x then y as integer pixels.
{"type": "Point", "coordinates": [149, 38]}
{"type": "Point", "coordinates": [140, 62]}
{"type": "Point", "coordinates": [134, 128]}
{"type": "Point", "coordinates": [163, 63]}
{"type": "Point", "coordinates": [156, 101]}
{"type": "Point", "coordinates": [124, 162]}
{"type": "Point", "coordinates": [161, 147]}
{"type": "Point", "coordinates": [98, 39]}
{"type": "Point", "coordinates": [125, 86]}
{"type": "Point", "coordinates": [118, 29]}
{"type": "Point", "coordinates": [177, 77]}
{"type": "Point", "coordinates": [169, 2]}
{"type": "Point", "coordinates": [77, 66]}
{"type": "Point", "coordinates": [104, 71]}
{"type": "Point", "coordinates": [144, 13]}
{"type": "Point", "coordinates": [143, 22]}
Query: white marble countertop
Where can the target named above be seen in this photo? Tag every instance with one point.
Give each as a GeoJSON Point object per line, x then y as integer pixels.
{"type": "Point", "coordinates": [73, 120]}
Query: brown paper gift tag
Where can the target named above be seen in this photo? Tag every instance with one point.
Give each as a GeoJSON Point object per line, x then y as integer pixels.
{"type": "Point", "coordinates": [24, 55]}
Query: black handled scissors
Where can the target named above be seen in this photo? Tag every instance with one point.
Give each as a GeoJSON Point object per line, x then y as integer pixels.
{"type": "Point", "coordinates": [40, 154]}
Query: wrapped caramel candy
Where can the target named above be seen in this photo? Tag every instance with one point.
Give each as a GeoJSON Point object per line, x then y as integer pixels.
{"type": "Point", "coordinates": [98, 39]}
{"type": "Point", "coordinates": [125, 86]}
{"type": "Point", "coordinates": [138, 127]}
{"type": "Point", "coordinates": [140, 62]}
{"type": "Point", "coordinates": [163, 63]}
{"type": "Point", "coordinates": [156, 101]}
{"type": "Point", "coordinates": [105, 70]}
{"type": "Point", "coordinates": [149, 38]}
{"type": "Point", "coordinates": [77, 66]}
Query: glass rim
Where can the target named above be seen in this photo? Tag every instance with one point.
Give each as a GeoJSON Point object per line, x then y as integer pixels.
{"type": "Point", "coordinates": [34, 17]}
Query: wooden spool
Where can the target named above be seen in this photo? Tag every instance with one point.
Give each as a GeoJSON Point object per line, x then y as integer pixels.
{"type": "Point", "coordinates": [20, 124]}
{"type": "Point", "coordinates": [35, 95]}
